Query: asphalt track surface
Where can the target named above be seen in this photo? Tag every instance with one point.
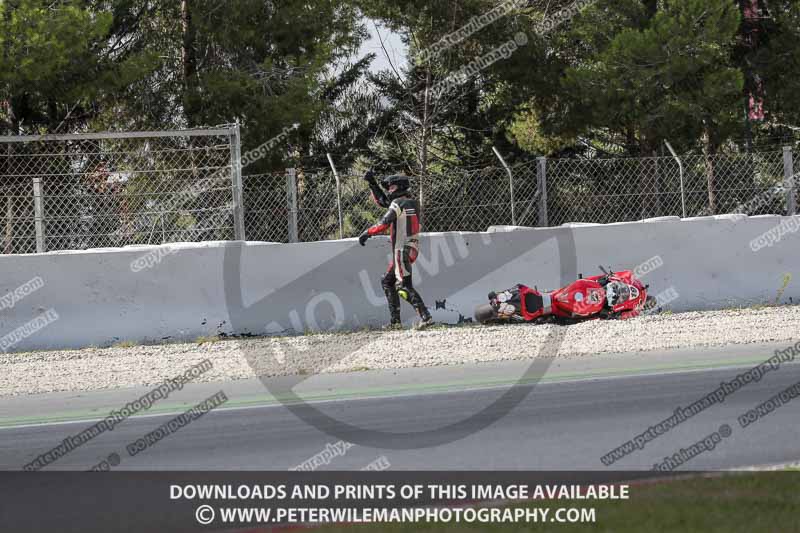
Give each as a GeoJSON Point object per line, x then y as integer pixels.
{"type": "Point", "coordinates": [579, 411]}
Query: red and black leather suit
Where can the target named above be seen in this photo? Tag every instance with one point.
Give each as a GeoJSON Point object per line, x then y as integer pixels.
{"type": "Point", "coordinates": [402, 221]}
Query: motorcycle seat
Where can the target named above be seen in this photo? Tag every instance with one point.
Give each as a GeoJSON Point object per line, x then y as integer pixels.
{"type": "Point", "coordinates": [533, 302]}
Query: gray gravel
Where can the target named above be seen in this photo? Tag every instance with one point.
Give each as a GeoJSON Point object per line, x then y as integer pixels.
{"type": "Point", "coordinates": [102, 368]}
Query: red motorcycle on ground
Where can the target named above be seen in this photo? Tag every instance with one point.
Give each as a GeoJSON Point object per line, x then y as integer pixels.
{"type": "Point", "coordinates": [607, 296]}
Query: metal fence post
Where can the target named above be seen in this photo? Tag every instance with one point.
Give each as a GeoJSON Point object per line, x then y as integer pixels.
{"type": "Point", "coordinates": [788, 182]}
{"type": "Point", "coordinates": [38, 214]}
{"type": "Point", "coordinates": [236, 183]}
{"type": "Point", "coordinates": [338, 196]}
{"type": "Point", "coordinates": [421, 203]}
{"type": "Point", "coordinates": [541, 175]}
{"type": "Point", "coordinates": [680, 169]}
{"type": "Point", "coordinates": [291, 202]}
{"type": "Point", "coordinates": [510, 184]}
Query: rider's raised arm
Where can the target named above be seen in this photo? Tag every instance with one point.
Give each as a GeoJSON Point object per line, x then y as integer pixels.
{"type": "Point", "coordinates": [378, 196]}
{"type": "Point", "coordinates": [386, 221]}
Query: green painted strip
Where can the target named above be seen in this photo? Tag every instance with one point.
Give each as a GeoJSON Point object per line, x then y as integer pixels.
{"type": "Point", "coordinates": [375, 392]}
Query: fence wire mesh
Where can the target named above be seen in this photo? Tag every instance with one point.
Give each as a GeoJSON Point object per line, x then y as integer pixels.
{"type": "Point", "coordinates": [266, 207]}
{"type": "Point", "coordinates": [104, 190]}
{"type": "Point", "coordinates": [473, 200]}
{"type": "Point", "coordinates": [77, 192]}
{"type": "Point", "coordinates": [457, 201]}
{"type": "Point", "coordinates": [587, 190]}
{"type": "Point", "coordinates": [617, 190]}
{"type": "Point", "coordinates": [269, 209]}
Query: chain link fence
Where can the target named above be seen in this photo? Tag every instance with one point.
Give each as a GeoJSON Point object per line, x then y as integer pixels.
{"type": "Point", "coordinates": [302, 205]}
{"type": "Point", "coordinates": [618, 190]}
{"type": "Point", "coordinates": [72, 192]}
{"type": "Point", "coordinates": [115, 189]}
{"type": "Point", "coordinates": [474, 200]}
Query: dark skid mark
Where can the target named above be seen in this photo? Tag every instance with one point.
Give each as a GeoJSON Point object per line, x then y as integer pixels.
{"type": "Point", "coordinates": [244, 335]}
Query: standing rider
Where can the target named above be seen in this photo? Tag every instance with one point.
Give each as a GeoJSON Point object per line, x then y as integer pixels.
{"type": "Point", "coordinates": [402, 220]}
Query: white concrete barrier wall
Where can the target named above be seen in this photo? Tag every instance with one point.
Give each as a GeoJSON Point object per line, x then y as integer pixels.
{"type": "Point", "coordinates": [183, 291]}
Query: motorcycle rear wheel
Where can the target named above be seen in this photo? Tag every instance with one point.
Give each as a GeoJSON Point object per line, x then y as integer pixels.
{"type": "Point", "coordinates": [485, 314]}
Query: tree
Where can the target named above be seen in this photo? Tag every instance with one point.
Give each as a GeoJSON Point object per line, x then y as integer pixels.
{"type": "Point", "coordinates": [46, 51]}
{"type": "Point", "coordinates": [49, 61]}
{"type": "Point", "coordinates": [644, 72]}
{"type": "Point", "coordinates": [776, 62]}
{"type": "Point", "coordinates": [437, 122]}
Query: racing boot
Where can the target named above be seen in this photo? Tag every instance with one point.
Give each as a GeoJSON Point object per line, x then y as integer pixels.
{"type": "Point", "coordinates": [394, 307]}
{"type": "Point", "coordinates": [408, 293]}
{"type": "Point", "coordinates": [425, 322]}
